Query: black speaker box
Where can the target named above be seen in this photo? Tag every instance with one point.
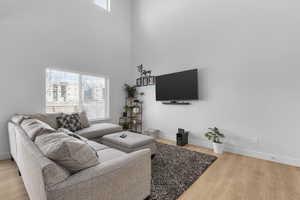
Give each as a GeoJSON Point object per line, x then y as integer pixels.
{"type": "Point", "coordinates": [182, 137]}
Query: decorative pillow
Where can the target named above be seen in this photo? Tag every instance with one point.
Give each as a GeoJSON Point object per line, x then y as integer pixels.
{"type": "Point", "coordinates": [70, 122]}
{"type": "Point", "coordinates": [34, 128]}
{"type": "Point", "coordinates": [69, 152]}
{"type": "Point", "coordinates": [18, 119]}
{"type": "Point", "coordinates": [49, 119]}
{"type": "Point", "coordinates": [84, 120]}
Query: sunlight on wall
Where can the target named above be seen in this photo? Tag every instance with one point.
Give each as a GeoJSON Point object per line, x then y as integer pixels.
{"type": "Point", "coordinates": [103, 4]}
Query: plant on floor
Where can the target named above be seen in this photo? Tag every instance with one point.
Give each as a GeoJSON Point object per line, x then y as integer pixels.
{"type": "Point", "coordinates": [214, 135]}
{"type": "Point", "coordinates": [131, 91]}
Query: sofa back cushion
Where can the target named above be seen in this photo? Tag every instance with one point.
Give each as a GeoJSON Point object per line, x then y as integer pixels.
{"type": "Point", "coordinates": [34, 128]}
{"type": "Point", "coordinates": [67, 151]}
{"type": "Point", "coordinates": [50, 119]}
{"type": "Point", "coordinates": [84, 120]}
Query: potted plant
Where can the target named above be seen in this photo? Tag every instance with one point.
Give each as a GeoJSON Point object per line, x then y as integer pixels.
{"type": "Point", "coordinates": [125, 125]}
{"type": "Point", "coordinates": [215, 136]}
{"type": "Point", "coordinates": [131, 91]}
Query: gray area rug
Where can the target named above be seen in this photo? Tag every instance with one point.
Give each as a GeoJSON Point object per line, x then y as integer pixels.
{"type": "Point", "coordinates": [175, 169]}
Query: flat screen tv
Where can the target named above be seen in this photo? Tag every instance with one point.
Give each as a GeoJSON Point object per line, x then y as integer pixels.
{"type": "Point", "coordinates": [177, 86]}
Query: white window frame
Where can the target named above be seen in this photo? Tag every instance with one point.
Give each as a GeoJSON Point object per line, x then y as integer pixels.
{"type": "Point", "coordinates": [107, 90]}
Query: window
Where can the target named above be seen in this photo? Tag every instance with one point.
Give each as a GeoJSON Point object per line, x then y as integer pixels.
{"type": "Point", "coordinates": [103, 4]}
{"type": "Point", "coordinates": [70, 92]}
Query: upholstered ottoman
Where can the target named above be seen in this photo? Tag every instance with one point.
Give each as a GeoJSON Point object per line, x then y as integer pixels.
{"type": "Point", "coordinates": [132, 142]}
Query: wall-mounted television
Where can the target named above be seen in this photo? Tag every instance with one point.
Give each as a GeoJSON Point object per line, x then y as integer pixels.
{"type": "Point", "coordinates": [177, 86]}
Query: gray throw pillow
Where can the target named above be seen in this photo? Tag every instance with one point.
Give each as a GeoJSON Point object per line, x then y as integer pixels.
{"type": "Point", "coordinates": [84, 120]}
{"type": "Point", "coordinates": [34, 128]}
{"type": "Point", "coordinates": [18, 119]}
{"type": "Point", "coordinates": [69, 152]}
{"type": "Point", "coordinates": [49, 119]}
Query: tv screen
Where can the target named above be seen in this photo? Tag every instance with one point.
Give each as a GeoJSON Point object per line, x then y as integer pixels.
{"type": "Point", "coordinates": [177, 86]}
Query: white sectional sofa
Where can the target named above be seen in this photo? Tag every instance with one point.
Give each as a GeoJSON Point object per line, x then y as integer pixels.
{"type": "Point", "coordinates": [119, 176]}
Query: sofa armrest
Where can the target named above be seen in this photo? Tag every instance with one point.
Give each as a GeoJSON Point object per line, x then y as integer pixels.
{"type": "Point", "coordinates": [12, 140]}
{"type": "Point", "coordinates": [127, 177]}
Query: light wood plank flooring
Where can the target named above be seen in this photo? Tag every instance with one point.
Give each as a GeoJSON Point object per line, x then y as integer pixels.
{"type": "Point", "coordinates": [231, 177]}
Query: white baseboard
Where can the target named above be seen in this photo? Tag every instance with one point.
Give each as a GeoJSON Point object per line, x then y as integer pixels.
{"type": "Point", "coordinates": [265, 156]}
{"type": "Point", "coordinates": [246, 152]}
{"type": "Point", "coordinates": [5, 156]}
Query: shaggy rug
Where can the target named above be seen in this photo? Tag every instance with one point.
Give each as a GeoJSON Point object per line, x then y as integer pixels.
{"type": "Point", "coordinates": [175, 169]}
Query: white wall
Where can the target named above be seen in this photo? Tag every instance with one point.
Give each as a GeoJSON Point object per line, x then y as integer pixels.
{"type": "Point", "coordinates": [247, 53]}
{"type": "Point", "coordinates": [71, 34]}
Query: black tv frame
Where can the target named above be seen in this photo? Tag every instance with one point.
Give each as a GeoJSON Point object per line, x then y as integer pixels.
{"type": "Point", "coordinates": [182, 101]}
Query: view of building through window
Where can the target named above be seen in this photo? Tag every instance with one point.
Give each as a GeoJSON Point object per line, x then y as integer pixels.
{"type": "Point", "coordinates": [70, 92]}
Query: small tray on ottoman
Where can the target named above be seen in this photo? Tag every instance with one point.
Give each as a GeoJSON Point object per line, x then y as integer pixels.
{"type": "Point", "coordinates": [130, 143]}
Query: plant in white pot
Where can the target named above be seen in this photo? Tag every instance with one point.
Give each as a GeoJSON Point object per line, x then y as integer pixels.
{"type": "Point", "coordinates": [215, 136]}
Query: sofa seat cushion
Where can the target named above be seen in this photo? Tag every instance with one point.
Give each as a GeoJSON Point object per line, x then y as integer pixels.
{"type": "Point", "coordinates": [97, 146]}
{"type": "Point", "coordinates": [109, 154]}
{"type": "Point", "coordinates": [99, 130]}
{"type": "Point", "coordinates": [69, 152]}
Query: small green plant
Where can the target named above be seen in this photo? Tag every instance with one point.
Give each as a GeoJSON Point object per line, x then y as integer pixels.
{"type": "Point", "coordinates": [126, 108]}
{"type": "Point", "coordinates": [131, 91]}
{"type": "Point", "coordinates": [125, 125]}
{"type": "Point", "coordinates": [214, 135]}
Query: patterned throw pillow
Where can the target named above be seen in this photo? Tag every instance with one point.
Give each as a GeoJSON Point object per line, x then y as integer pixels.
{"type": "Point", "coordinates": [70, 122]}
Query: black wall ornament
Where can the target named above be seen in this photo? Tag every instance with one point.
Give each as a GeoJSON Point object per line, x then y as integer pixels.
{"type": "Point", "coordinates": [151, 80]}
{"type": "Point", "coordinates": [145, 81]}
{"type": "Point", "coordinates": [139, 82]}
{"type": "Point", "coordinates": [145, 77]}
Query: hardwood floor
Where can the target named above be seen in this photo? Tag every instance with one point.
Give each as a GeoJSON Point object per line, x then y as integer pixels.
{"type": "Point", "coordinates": [237, 177]}
{"type": "Point", "coordinates": [11, 184]}
{"type": "Point", "coordinates": [230, 177]}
